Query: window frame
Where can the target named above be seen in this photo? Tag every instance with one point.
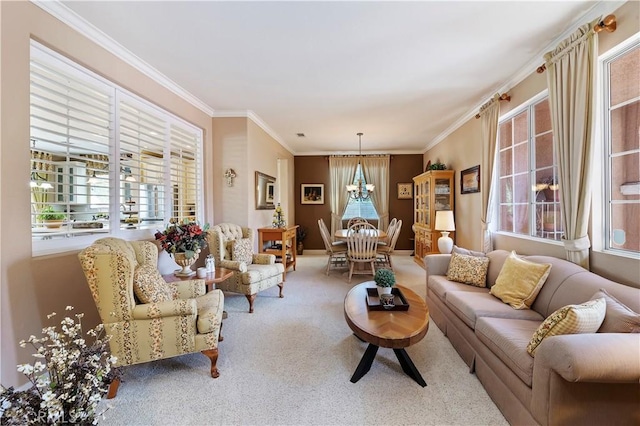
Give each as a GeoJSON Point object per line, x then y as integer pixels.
{"type": "Point", "coordinates": [601, 164]}
{"type": "Point", "coordinates": [63, 242]}
{"type": "Point", "coordinates": [532, 169]}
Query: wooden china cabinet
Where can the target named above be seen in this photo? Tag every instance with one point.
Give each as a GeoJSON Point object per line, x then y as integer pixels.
{"type": "Point", "coordinates": [433, 191]}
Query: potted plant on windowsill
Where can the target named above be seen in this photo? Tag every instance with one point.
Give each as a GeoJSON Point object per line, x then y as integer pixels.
{"type": "Point", "coordinates": [385, 279]}
{"type": "Point", "coordinates": [51, 218]}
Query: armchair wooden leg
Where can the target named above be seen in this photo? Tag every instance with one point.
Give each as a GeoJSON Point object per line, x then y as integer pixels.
{"type": "Point", "coordinates": [251, 298]}
{"type": "Point", "coordinates": [113, 388]}
{"type": "Point", "coordinates": [212, 354]}
{"type": "Point", "coordinates": [281, 285]}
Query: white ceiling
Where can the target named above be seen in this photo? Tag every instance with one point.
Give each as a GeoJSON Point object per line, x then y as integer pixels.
{"type": "Point", "coordinates": [403, 73]}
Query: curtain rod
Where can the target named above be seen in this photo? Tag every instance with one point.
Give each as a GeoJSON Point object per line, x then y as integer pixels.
{"type": "Point", "coordinates": [608, 24]}
{"type": "Point", "coordinates": [503, 97]}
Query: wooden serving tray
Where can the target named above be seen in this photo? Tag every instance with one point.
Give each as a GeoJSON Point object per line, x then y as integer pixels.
{"type": "Point", "coordinates": [373, 301]}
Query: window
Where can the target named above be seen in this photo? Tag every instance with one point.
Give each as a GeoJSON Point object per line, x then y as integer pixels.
{"type": "Point", "coordinates": [622, 150]}
{"type": "Point", "coordinates": [360, 208]}
{"type": "Point", "coordinates": [103, 161]}
{"type": "Point", "coordinates": [529, 192]}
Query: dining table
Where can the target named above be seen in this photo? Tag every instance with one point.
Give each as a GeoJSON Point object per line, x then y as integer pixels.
{"type": "Point", "coordinates": [342, 234]}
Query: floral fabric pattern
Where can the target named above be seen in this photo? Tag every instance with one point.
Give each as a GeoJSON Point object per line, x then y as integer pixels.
{"type": "Point", "coordinates": [570, 319]}
{"type": "Point", "coordinates": [149, 286]}
{"type": "Point", "coordinates": [468, 269]}
{"type": "Point", "coordinates": [242, 251]}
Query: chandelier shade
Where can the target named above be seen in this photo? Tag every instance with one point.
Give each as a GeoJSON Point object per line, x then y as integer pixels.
{"type": "Point", "coordinates": [360, 191]}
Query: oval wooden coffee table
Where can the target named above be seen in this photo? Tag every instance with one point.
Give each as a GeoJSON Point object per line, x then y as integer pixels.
{"type": "Point", "coordinates": [389, 329]}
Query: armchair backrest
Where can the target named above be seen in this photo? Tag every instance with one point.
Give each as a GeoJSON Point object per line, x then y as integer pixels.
{"type": "Point", "coordinates": [109, 265]}
{"type": "Point", "coordinates": [218, 238]}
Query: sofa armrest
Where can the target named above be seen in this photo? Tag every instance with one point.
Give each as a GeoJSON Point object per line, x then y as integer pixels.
{"type": "Point", "coordinates": [264, 259]}
{"type": "Point", "coordinates": [233, 265]}
{"type": "Point", "coordinates": [436, 264]}
{"type": "Point", "coordinates": [190, 289]}
{"type": "Point", "coordinates": [171, 308]}
{"type": "Point", "coordinates": [594, 357]}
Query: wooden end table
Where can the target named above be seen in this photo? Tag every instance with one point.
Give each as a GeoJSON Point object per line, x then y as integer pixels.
{"type": "Point", "coordinates": [389, 329]}
{"type": "Point", "coordinates": [212, 278]}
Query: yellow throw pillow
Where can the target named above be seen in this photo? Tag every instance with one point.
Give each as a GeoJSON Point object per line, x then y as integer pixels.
{"type": "Point", "coordinates": [150, 287]}
{"type": "Point", "coordinates": [520, 281]}
{"type": "Point", "coordinates": [468, 269]}
{"type": "Point", "coordinates": [571, 319]}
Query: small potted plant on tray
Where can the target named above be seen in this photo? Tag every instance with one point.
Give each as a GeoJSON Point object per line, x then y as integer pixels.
{"type": "Point", "coordinates": [385, 279]}
{"type": "Point", "coordinates": [51, 218]}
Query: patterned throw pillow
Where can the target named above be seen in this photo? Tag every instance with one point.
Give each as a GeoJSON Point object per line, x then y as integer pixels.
{"type": "Point", "coordinates": [242, 251]}
{"type": "Point", "coordinates": [619, 318]}
{"type": "Point", "coordinates": [468, 269]}
{"type": "Point", "coordinates": [571, 319]}
{"type": "Point", "coordinates": [520, 281]}
{"type": "Point", "coordinates": [150, 287]}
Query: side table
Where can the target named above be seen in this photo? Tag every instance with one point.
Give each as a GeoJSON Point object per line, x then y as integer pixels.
{"type": "Point", "coordinates": [212, 278]}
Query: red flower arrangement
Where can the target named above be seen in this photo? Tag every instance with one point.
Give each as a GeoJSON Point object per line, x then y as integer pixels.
{"type": "Point", "coordinates": [186, 237]}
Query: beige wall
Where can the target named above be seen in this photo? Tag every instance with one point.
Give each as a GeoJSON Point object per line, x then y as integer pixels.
{"type": "Point", "coordinates": [462, 149]}
{"type": "Point", "coordinates": [30, 288]}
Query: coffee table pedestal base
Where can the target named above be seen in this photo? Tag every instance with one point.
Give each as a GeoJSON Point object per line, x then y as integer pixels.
{"type": "Point", "coordinates": [403, 357]}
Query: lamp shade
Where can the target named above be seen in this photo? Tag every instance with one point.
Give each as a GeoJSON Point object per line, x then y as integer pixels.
{"type": "Point", "coordinates": [444, 221]}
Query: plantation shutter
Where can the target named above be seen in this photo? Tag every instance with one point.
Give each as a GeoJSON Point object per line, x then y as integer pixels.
{"type": "Point", "coordinates": [142, 133]}
{"type": "Point", "coordinates": [70, 116]}
{"type": "Point", "coordinates": [186, 172]}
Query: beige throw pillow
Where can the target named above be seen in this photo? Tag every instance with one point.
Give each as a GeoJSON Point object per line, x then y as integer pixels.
{"type": "Point", "coordinates": [571, 319]}
{"type": "Point", "coordinates": [619, 318]}
{"type": "Point", "coordinates": [242, 251]}
{"type": "Point", "coordinates": [520, 281]}
{"type": "Point", "coordinates": [150, 287]}
{"type": "Point", "coordinates": [468, 252]}
{"type": "Point", "coordinates": [468, 269]}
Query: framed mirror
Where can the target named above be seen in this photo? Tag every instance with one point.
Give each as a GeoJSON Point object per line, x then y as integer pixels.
{"type": "Point", "coordinates": [265, 191]}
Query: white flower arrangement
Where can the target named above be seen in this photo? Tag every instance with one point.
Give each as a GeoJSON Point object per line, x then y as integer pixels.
{"type": "Point", "coordinates": [69, 382]}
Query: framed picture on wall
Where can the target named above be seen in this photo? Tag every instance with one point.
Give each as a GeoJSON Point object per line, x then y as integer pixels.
{"type": "Point", "coordinates": [470, 180]}
{"type": "Point", "coordinates": [405, 191]}
{"type": "Point", "coordinates": [312, 193]}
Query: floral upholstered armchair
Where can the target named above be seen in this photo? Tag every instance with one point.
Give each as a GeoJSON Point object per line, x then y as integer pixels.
{"type": "Point", "coordinates": [232, 248]}
{"type": "Point", "coordinates": [147, 317]}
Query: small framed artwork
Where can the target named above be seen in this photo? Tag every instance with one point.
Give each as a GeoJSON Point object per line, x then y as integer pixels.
{"type": "Point", "coordinates": [312, 193]}
{"type": "Point", "coordinates": [470, 180]}
{"type": "Point", "coordinates": [405, 191]}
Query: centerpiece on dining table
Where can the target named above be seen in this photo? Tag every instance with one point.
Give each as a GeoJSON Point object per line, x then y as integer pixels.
{"type": "Point", "coordinates": [183, 241]}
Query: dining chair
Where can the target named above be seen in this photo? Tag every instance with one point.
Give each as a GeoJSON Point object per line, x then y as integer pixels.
{"type": "Point", "coordinates": [390, 229]}
{"type": "Point", "coordinates": [337, 251]}
{"type": "Point", "coordinates": [362, 245]}
{"type": "Point", "coordinates": [388, 249]}
{"type": "Point", "coordinates": [356, 220]}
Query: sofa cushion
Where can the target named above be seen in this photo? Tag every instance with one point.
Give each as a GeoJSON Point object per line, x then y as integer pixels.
{"type": "Point", "coordinates": [471, 306]}
{"type": "Point", "coordinates": [571, 319]}
{"type": "Point", "coordinates": [468, 269]}
{"type": "Point", "coordinates": [242, 251]}
{"type": "Point", "coordinates": [150, 287]}
{"type": "Point", "coordinates": [440, 285]}
{"type": "Point", "coordinates": [467, 252]}
{"type": "Point", "coordinates": [508, 339]}
{"type": "Point", "coordinates": [520, 281]}
{"type": "Point", "coordinates": [618, 318]}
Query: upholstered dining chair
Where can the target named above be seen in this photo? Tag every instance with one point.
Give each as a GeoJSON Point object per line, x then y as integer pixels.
{"type": "Point", "coordinates": [387, 250]}
{"type": "Point", "coordinates": [148, 318]}
{"type": "Point", "coordinates": [337, 251]}
{"type": "Point", "coordinates": [232, 248]}
{"type": "Point", "coordinates": [362, 246]}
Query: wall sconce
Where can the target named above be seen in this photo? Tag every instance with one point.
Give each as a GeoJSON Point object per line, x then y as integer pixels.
{"type": "Point", "coordinates": [230, 174]}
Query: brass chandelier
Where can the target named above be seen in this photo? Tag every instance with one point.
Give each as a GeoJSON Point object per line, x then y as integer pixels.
{"type": "Point", "coordinates": [360, 191]}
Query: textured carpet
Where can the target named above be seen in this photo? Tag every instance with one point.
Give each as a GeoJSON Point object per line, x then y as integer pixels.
{"type": "Point", "coordinates": [290, 362]}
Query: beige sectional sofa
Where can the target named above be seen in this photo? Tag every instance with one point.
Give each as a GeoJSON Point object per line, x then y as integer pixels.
{"type": "Point", "coordinates": [581, 379]}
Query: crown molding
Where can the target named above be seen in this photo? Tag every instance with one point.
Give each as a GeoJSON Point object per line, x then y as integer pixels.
{"type": "Point", "coordinates": [79, 24]}
{"type": "Point", "coordinates": [364, 154]}
{"type": "Point", "coordinates": [256, 119]}
{"type": "Point", "coordinates": [599, 9]}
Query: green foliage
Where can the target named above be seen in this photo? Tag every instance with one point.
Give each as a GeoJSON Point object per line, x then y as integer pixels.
{"type": "Point", "coordinates": [48, 213]}
{"type": "Point", "coordinates": [437, 166]}
{"type": "Point", "coordinates": [385, 278]}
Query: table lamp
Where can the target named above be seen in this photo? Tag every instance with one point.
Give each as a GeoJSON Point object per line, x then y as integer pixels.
{"type": "Point", "coordinates": [445, 223]}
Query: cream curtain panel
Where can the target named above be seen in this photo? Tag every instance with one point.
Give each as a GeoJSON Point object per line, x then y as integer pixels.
{"type": "Point", "coordinates": [376, 172]}
{"type": "Point", "coordinates": [341, 173]}
{"type": "Point", "coordinates": [570, 78]}
{"type": "Point", "coordinates": [489, 113]}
